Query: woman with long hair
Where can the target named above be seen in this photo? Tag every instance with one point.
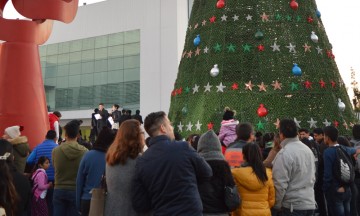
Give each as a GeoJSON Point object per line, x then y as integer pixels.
{"type": "Point", "coordinates": [120, 167]}
{"type": "Point", "coordinates": [255, 184]}
{"type": "Point", "coordinates": [91, 169]}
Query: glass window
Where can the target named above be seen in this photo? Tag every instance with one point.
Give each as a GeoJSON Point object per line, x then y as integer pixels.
{"type": "Point", "coordinates": [87, 80]}
{"type": "Point", "coordinates": [115, 76]}
{"type": "Point", "coordinates": [42, 50]}
{"type": "Point", "coordinates": [101, 53]}
{"type": "Point", "coordinates": [50, 72]}
{"type": "Point", "coordinates": [50, 82]}
{"type": "Point", "coordinates": [75, 69]}
{"type": "Point", "coordinates": [87, 67]}
{"type": "Point", "coordinates": [115, 63]}
{"type": "Point", "coordinates": [75, 57]}
{"type": "Point", "coordinates": [62, 82]}
{"type": "Point", "coordinates": [100, 78]}
{"type": "Point", "coordinates": [43, 61]}
{"type": "Point", "coordinates": [52, 49]}
{"type": "Point", "coordinates": [116, 51]}
{"type": "Point", "coordinates": [132, 36]}
{"type": "Point", "coordinates": [75, 45]}
{"type": "Point", "coordinates": [116, 39]}
{"type": "Point", "coordinates": [74, 81]}
{"type": "Point", "coordinates": [51, 60]}
{"type": "Point", "coordinates": [131, 62]}
{"type": "Point", "coordinates": [64, 47]}
{"type": "Point", "coordinates": [132, 74]}
{"type": "Point", "coordinates": [63, 59]}
{"type": "Point", "coordinates": [132, 49]}
{"type": "Point", "coordinates": [87, 55]}
{"type": "Point", "coordinates": [101, 65]}
{"type": "Point", "coordinates": [88, 43]}
{"type": "Point", "coordinates": [63, 70]}
{"type": "Point", "coordinates": [101, 41]}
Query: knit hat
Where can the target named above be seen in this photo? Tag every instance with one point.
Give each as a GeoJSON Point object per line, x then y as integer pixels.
{"type": "Point", "coordinates": [209, 146]}
{"type": "Point", "coordinates": [13, 131]}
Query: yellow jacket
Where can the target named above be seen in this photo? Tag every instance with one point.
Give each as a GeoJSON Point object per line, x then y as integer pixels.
{"type": "Point", "coordinates": [257, 198]}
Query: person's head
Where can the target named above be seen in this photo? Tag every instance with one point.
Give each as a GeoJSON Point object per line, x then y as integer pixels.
{"type": "Point", "coordinates": [12, 132]}
{"type": "Point", "coordinates": [101, 106]}
{"type": "Point", "coordinates": [356, 132]}
{"type": "Point", "coordinates": [253, 157]}
{"type": "Point", "coordinates": [193, 140]}
{"type": "Point", "coordinates": [245, 132]}
{"type": "Point", "coordinates": [318, 135]}
{"type": "Point", "coordinates": [115, 107]}
{"type": "Point", "coordinates": [177, 136]}
{"type": "Point", "coordinates": [343, 141]}
{"type": "Point", "coordinates": [128, 112]}
{"type": "Point", "coordinates": [157, 123]}
{"type": "Point", "coordinates": [51, 135]}
{"type": "Point", "coordinates": [288, 129]}
{"type": "Point", "coordinates": [330, 135]}
{"type": "Point", "coordinates": [137, 112]}
{"type": "Point", "coordinates": [268, 139]}
{"type": "Point", "coordinates": [104, 139]}
{"type": "Point", "coordinates": [209, 146]}
{"type": "Point", "coordinates": [129, 143]}
{"type": "Point", "coordinates": [123, 111]}
{"type": "Point", "coordinates": [303, 133]}
{"type": "Point", "coordinates": [6, 148]}
{"type": "Point", "coordinates": [228, 114]}
{"type": "Point", "coordinates": [72, 130]}
{"type": "Point", "coordinates": [96, 110]}
{"type": "Point", "coordinates": [42, 163]}
{"type": "Point", "coordinates": [57, 113]}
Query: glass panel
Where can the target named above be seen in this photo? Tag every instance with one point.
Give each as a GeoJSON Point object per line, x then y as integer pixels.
{"type": "Point", "coordinates": [63, 70]}
{"type": "Point", "coordinates": [132, 36]}
{"type": "Point", "coordinates": [101, 65]}
{"type": "Point", "coordinates": [115, 76]}
{"type": "Point", "coordinates": [132, 74]}
{"type": "Point", "coordinates": [51, 82]}
{"type": "Point", "coordinates": [88, 43]}
{"type": "Point", "coordinates": [52, 49]}
{"type": "Point", "coordinates": [101, 41]}
{"type": "Point", "coordinates": [64, 47]}
{"type": "Point", "coordinates": [75, 45]}
{"type": "Point", "coordinates": [101, 53]}
{"type": "Point", "coordinates": [63, 59]}
{"type": "Point", "coordinates": [131, 62]}
{"type": "Point", "coordinates": [62, 82]}
{"type": "Point", "coordinates": [87, 67]}
{"type": "Point", "coordinates": [116, 51]}
{"type": "Point", "coordinates": [100, 78]}
{"type": "Point", "coordinates": [74, 81]}
{"type": "Point", "coordinates": [116, 39]}
{"type": "Point", "coordinates": [87, 80]}
{"type": "Point", "coordinates": [50, 72]}
{"type": "Point", "coordinates": [115, 64]}
{"type": "Point", "coordinates": [42, 50]}
{"type": "Point", "coordinates": [132, 49]}
{"type": "Point", "coordinates": [87, 55]}
{"type": "Point", "coordinates": [43, 61]}
{"type": "Point", "coordinates": [51, 60]}
{"type": "Point", "coordinates": [75, 57]}
{"type": "Point", "coordinates": [75, 69]}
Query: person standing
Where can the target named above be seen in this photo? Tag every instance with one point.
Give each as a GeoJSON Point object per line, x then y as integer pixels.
{"type": "Point", "coordinates": [294, 174]}
{"type": "Point", "coordinates": [104, 115]}
{"type": "Point", "coordinates": [116, 114]}
{"type": "Point", "coordinates": [66, 159]}
{"type": "Point", "coordinates": [54, 119]}
{"type": "Point", "coordinates": [167, 174]}
{"type": "Point", "coordinates": [138, 117]}
{"type": "Point", "coordinates": [93, 132]}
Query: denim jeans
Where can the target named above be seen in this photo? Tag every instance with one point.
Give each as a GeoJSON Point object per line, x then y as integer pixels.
{"type": "Point", "coordinates": [339, 202]}
{"type": "Point", "coordinates": [64, 203]}
{"type": "Point", "coordinates": [287, 212]}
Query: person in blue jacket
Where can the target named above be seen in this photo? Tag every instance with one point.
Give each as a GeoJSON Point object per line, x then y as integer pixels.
{"type": "Point", "coordinates": [167, 174]}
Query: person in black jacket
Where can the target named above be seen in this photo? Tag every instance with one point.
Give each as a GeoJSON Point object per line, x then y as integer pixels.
{"type": "Point", "coordinates": [116, 114]}
{"type": "Point", "coordinates": [93, 133]}
{"type": "Point", "coordinates": [102, 122]}
{"type": "Point", "coordinates": [167, 174]}
{"type": "Point", "coordinates": [138, 117]}
{"type": "Point", "coordinates": [212, 191]}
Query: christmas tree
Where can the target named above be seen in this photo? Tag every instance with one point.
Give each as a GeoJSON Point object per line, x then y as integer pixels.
{"type": "Point", "coordinates": [268, 60]}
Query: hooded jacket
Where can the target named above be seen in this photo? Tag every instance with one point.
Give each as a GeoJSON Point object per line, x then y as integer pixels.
{"type": "Point", "coordinates": [21, 151]}
{"type": "Point", "coordinates": [227, 132]}
{"type": "Point", "coordinates": [256, 198]}
{"type": "Point", "coordinates": [66, 159]}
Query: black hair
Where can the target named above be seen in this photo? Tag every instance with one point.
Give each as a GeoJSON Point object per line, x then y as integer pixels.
{"type": "Point", "coordinates": [104, 139]}
{"type": "Point", "coordinates": [288, 128]}
{"type": "Point", "coordinates": [41, 161]}
{"type": "Point", "coordinates": [356, 131]}
{"type": "Point", "coordinates": [252, 155]}
{"type": "Point", "coordinates": [128, 112]}
{"type": "Point", "coordinates": [50, 135]}
{"type": "Point", "coordinates": [116, 106]}
{"type": "Point", "coordinates": [244, 131]}
{"type": "Point", "coordinates": [153, 122]}
{"type": "Point", "coordinates": [195, 142]}
{"type": "Point", "coordinates": [72, 129]}
{"type": "Point", "coordinates": [331, 132]}
{"type": "Point", "coordinates": [303, 130]}
{"type": "Point", "coordinates": [137, 112]}
{"type": "Point", "coordinates": [178, 136]}
{"type": "Point", "coordinates": [57, 113]}
{"type": "Point", "coordinates": [6, 147]}
{"type": "Point", "coordinates": [228, 114]}
{"type": "Point", "coordinates": [123, 111]}
{"type": "Point", "coordinates": [268, 137]}
{"type": "Point", "coordinates": [318, 131]}
{"type": "Point", "coordinates": [343, 141]}
{"type": "Point", "coordinates": [96, 110]}
{"type": "Point", "coordinates": [147, 141]}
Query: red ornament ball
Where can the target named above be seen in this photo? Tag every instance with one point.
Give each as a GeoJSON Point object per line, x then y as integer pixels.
{"type": "Point", "coordinates": [220, 4]}
{"type": "Point", "coordinates": [262, 111]}
{"type": "Point", "coordinates": [294, 5]}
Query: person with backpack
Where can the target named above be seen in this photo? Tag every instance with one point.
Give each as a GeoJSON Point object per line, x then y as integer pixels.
{"type": "Point", "coordinates": [338, 173]}
{"type": "Point", "coordinates": [39, 188]}
{"type": "Point", "coordinates": [355, 142]}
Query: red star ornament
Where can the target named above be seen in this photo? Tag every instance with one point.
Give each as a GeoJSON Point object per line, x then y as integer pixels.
{"type": "Point", "coordinates": [333, 84]}
{"type": "Point", "coordinates": [212, 19]}
{"type": "Point", "coordinates": [330, 54]}
{"type": "Point", "coordinates": [310, 19]}
{"type": "Point", "coordinates": [336, 123]}
{"type": "Point", "coordinates": [308, 84]}
{"type": "Point", "coordinates": [264, 17]}
{"type": "Point", "coordinates": [235, 86]}
{"type": "Point", "coordinates": [210, 126]}
{"type": "Point", "coordinates": [173, 93]}
{"type": "Point", "coordinates": [322, 83]}
{"type": "Point", "coordinates": [179, 91]}
{"type": "Point", "coordinates": [261, 48]}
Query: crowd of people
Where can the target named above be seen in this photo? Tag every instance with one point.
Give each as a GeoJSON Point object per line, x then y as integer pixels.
{"type": "Point", "coordinates": [236, 172]}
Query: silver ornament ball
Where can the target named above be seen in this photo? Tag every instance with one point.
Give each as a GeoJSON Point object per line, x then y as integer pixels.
{"type": "Point", "coordinates": [214, 71]}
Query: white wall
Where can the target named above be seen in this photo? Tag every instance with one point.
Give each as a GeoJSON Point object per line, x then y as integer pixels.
{"type": "Point", "coordinates": [162, 25]}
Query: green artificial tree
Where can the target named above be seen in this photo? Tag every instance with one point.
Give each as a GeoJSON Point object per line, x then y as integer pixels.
{"type": "Point", "coordinates": [268, 60]}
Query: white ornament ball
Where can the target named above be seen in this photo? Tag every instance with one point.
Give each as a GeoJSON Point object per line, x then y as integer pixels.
{"type": "Point", "coordinates": [314, 37]}
{"type": "Point", "coordinates": [341, 105]}
{"type": "Point", "coordinates": [214, 71]}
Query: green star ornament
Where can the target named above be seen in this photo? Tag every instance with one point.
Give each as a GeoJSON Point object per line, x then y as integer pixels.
{"type": "Point", "coordinates": [294, 86]}
{"type": "Point", "coordinates": [260, 125]}
{"type": "Point", "coordinates": [217, 47]}
{"type": "Point", "coordinates": [231, 48]}
{"type": "Point", "coordinates": [246, 47]}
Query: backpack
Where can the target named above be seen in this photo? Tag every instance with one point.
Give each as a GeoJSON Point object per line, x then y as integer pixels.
{"type": "Point", "coordinates": [343, 168]}
{"type": "Point", "coordinates": [32, 183]}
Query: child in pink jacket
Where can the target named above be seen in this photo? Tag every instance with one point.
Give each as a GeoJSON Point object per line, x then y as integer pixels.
{"type": "Point", "coordinates": [40, 179]}
{"type": "Point", "coordinates": [227, 132]}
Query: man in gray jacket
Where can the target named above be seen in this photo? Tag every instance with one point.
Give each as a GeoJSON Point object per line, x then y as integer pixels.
{"type": "Point", "coordinates": [294, 174]}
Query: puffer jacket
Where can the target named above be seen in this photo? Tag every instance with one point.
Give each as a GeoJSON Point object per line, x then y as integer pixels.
{"type": "Point", "coordinates": [257, 198]}
{"type": "Point", "coordinates": [21, 152]}
{"type": "Point", "coordinates": [227, 132]}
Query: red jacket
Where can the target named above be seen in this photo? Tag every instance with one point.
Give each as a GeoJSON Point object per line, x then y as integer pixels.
{"type": "Point", "coordinates": [52, 119]}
